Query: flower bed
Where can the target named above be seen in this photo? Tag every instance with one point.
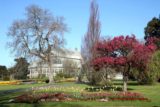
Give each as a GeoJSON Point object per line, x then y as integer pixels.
{"type": "Point", "coordinates": [104, 88]}
{"type": "Point", "coordinates": [128, 96]}
{"type": "Point", "coordinates": [10, 82]}
{"type": "Point", "coordinates": [51, 89]}
{"type": "Point", "coordinates": [44, 97]}
{"type": "Point", "coordinates": [59, 96]}
{"type": "Point", "coordinates": [123, 96]}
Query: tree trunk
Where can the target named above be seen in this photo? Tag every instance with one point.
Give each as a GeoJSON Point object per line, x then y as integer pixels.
{"type": "Point", "coordinates": [79, 76]}
{"type": "Point", "coordinates": [50, 69]}
{"type": "Point", "coordinates": [2, 77]}
{"type": "Point", "coordinates": [50, 74]}
{"type": "Point", "coordinates": [125, 80]}
{"type": "Point", "coordinates": [125, 77]}
{"type": "Point", "coordinates": [11, 76]}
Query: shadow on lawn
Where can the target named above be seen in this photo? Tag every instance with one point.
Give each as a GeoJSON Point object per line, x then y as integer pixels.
{"type": "Point", "coordinates": [6, 95]}
{"type": "Point", "coordinates": [131, 83]}
{"type": "Point", "coordinates": [118, 83]}
{"type": "Point", "coordinates": [47, 104]}
{"type": "Point", "coordinates": [1, 105]}
{"type": "Point", "coordinates": [61, 104]}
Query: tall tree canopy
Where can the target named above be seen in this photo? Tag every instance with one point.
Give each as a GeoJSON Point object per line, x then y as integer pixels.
{"type": "Point", "coordinates": [91, 37]}
{"type": "Point", "coordinates": [37, 34]}
{"type": "Point", "coordinates": [93, 32]}
{"type": "Point", "coordinates": [152, 32]}
{"type": "Point", "coordinates": [21, 68]}
{"type": "Point", "coordinates": [122, 52]}
{"type": "Point", "coordinates": [3, 71]}
{"type": "Point", "coordinates": [153, 28]}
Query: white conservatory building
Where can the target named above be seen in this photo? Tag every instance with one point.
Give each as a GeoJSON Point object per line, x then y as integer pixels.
{"type": "Point", "coordinates": [60, 59]}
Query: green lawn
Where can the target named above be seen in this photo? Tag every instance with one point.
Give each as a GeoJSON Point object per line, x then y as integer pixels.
{"type": "Point", "coordinates": [22, 86]}
{"type": "Point", "coordinates": [152, 92]}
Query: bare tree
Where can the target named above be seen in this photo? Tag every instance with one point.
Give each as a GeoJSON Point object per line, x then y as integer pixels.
{"type": "Point", "coordinates": [91, 37]}
{"type": "Point", "coordinates": [37, 35]}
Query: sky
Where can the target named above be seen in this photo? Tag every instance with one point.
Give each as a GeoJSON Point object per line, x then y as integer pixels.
{"type": "Point", "coordinates": [117, 17]}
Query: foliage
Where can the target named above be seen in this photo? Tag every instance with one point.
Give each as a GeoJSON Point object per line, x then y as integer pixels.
{"type": "Point", "coordinates": [6, 78]}
{"type": "Point", "coordinates": [20, 69]}
{"type": "Point", "coordinates": [69, 80]}
{"type": "Point", "coordinates": [153, 28]}
{"type": "Point", "coordinates": [153, 74]}
{"type": "Point", "coordinates": [133, 74]}
{"type": "Point", "coordinates": [59, 76]}
{"type": "Point", "coordinates": [142, 55]}
{"type": "Point", "coordinates": [152, 32]}
{"type": "Point", "coordinates": [41, 76]}
{"type": "Point", "coordinates": [103, 77]}
{"type": "Point", "coordinates": [124, 53]}
{"type": "Point", "coordinates": [153, 41]}
{"type": "Point", "coordinates": [3, 69]}
{"type": "Point", "coordinates": [3, 72]}
{"type": "Point", "coordinates": [114, 52]}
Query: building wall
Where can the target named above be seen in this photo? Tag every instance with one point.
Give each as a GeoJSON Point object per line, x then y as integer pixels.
{"type": "Point", "coordinates": [36, 68]}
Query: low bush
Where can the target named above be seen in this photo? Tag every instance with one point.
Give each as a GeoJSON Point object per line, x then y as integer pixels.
{"type": "Point", "coordinates": [6, 78]}
{"type": "Point", "coordinates": [29, 81]}
{"type": "Point", "coordinates": [68, 80]}
{"type": "Point", "coordinates": [64, 77]}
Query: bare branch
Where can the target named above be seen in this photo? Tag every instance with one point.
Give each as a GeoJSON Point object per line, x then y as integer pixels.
{"type": "Point", "coordinates": [36, 35]}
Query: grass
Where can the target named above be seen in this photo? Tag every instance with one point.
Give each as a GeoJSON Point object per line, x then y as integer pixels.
{"type": "Point", "coordinates": [22, 86]}
{"type": "Point", "coordinates": [8, 92]}
{"type": "Point", "coordinates": [150, 91]}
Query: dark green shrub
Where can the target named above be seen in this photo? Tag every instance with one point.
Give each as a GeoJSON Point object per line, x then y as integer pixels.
{"type": "Point", "coordinates": [41, 76]}
{"type": "Point", "coordinates": [59, 76]}
{"type": "Point", "coordinates": [152, 74]}
{"type": "Point", "coordinates": [159, 80]}
{"type": "Point", "coordinates": [6, 78]}
{"type": "Point", "coordinates": [47, 81]}
{"type": "Point", "coordinates": [57, 79]}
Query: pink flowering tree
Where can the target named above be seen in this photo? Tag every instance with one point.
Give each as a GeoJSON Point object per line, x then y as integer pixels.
{"type": "Point", "coordinates": [153, 41]}
{"type": "Point", "coordinates": [122, 52]}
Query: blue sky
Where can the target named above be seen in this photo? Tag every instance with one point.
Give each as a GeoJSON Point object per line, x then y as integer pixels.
{"type": "Point", "coordinates": [118, 17]}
